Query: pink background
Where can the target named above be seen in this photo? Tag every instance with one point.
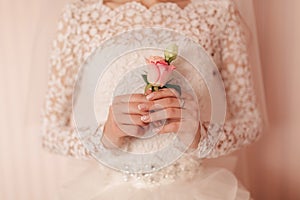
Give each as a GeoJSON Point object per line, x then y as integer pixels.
{"type": "Point", "coordinates": [27, 172]}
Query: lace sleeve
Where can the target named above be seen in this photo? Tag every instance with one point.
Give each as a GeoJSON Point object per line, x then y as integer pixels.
{"type": "Point", "coordinates": [243, 122]}
{"type": "Point", "coordinates": [58, 133]}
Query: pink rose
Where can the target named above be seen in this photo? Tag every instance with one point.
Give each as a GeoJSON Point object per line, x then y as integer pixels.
{"type": "Point", "coordinates": [158, 71]}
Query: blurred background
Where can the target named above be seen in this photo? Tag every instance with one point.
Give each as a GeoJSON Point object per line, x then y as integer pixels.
{"type": "Point", "coordinates": [29, 173]}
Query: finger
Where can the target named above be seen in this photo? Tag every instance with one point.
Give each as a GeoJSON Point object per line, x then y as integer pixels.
{"type": "Point", "coordinates": [168, 128]}
{"type": "Point", "coordinates": [148, 91]}
{"type": "Point", "coordinates": [134, 131]}
{"type": "Point", "coordinates": [168, 113]}
{"type": "Point", "coordinates": [158, 123]}
{"type": "Point", "coordinates": [159, 104]}
{"type": "Point", "coordinates": [167, 103]}
{"type": "Point", "coordinates": [130, 98]}
{"type": "Point", "coordinates": [134, 108]}
{"type": "Point", "coordinates": [127, 119]}
{"type": "Point", "coordinates": [172, 120]}
{"type": "Point", "coordinates": [163, 93]}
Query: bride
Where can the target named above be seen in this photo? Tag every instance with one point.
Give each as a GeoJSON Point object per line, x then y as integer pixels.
{"type": "Point", "coordinates": [217, 26]}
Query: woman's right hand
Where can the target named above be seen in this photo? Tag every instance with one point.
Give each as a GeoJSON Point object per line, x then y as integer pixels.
{"type": "Point", "coordinates": [124, 119]}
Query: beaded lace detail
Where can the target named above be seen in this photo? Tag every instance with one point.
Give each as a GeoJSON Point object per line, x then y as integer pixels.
{"type": "Point", "coordinates": [215, 24]}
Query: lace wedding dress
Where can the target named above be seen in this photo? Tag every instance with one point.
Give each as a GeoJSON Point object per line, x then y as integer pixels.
{"type": "Point", "coordinates": [217, 26]}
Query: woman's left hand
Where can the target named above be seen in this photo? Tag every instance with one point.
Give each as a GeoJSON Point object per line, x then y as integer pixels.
{"type": "Point", "coordinates": [180, 112]}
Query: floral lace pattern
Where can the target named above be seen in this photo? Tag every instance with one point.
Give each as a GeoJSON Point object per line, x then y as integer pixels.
{"type": "Point", "coordinates": [215, 24]}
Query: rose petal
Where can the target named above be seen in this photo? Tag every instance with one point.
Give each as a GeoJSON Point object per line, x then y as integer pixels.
{"type": "Point", "coordinates": [165, 73]}
{"type": "Point", "coordinates": [153, 74]}
{"type": "Point", "coordinates": [155, 60]}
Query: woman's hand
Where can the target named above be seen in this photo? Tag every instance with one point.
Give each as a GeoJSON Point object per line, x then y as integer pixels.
{"type": "Point", "coordinates": [181, 119]}
{"type": "Point", "coordinates": [124, 119]}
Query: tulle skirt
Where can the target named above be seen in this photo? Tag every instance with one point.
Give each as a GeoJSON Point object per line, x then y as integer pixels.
{"type": "Point", "coordinates": [96, 182]}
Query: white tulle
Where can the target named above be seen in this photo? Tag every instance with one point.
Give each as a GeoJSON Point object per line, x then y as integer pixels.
{"type": "Point", "coordinates": [95, 182]}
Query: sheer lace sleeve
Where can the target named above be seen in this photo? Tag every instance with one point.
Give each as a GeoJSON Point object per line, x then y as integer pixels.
{"type": "Point", "coordinates": [58, 134]}
{"type": "Point", "coordinates": [243, 123]}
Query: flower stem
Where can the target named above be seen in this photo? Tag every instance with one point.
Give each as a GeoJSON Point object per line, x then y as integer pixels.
{"type": "Point", "coordinates": [148, 86]}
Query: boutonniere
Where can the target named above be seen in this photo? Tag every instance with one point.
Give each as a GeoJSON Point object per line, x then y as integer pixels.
{"type": "Point", "coordinates": [159, 70]}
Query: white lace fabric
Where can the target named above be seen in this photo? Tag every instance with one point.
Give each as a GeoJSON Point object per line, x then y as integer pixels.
{"type": "Point", "coordinates": [215, 24]}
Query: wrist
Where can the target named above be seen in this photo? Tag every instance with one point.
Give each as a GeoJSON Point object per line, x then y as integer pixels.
{"type": "Point", "coordinates": [108, 139]}
{"type": "Point", "coordinates": [109, 143]}
{"type": "Point", "coordinates": [197, 138]}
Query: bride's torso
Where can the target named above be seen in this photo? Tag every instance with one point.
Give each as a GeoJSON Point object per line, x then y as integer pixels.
{"type": "Point", "coordinates": [90, 23]}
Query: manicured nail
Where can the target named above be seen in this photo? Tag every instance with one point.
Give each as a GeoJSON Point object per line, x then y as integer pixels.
{"type": "Point", "coordinates": [150, 96]}
{"type": "Point", "coordinates": [142, 106]}
{"type": "Point", "coordinates": [145, 117]}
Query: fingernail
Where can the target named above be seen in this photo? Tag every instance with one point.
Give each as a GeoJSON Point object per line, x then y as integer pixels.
{"type": "Point", "coordinates": [145, 117]}
{"type": "Point", "coordinates": [141, 106]}
{"type": "Point", "coordinates": [149, 96]}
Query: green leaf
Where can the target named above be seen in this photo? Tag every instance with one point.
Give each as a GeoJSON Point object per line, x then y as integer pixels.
{"type": "Point", "coordinates": [176, 87]}
{"type": "Point", "coordinates": [145, 78]}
